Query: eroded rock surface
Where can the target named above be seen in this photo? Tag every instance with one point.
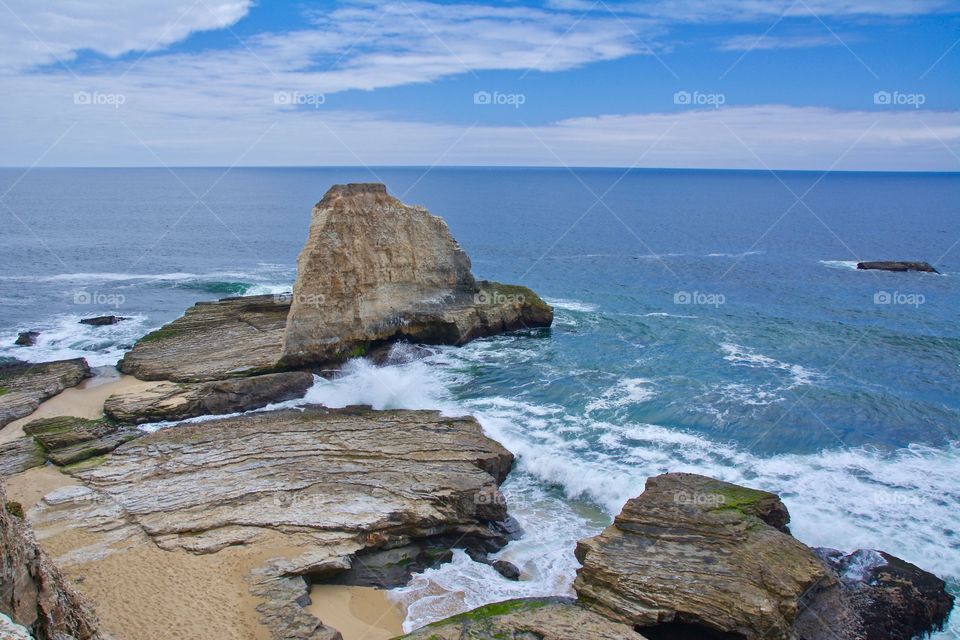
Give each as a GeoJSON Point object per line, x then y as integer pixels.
{"type": "Point", "coordinates": [694, 553]}
{"type": "Point", "coordinates": [313, 489]}
{"type": "Point", "coordinates": [34, 593]}
{"type": "Point", "coordinates": [375, 270]}
{"type": "Point", "coordinates": [178, 401]}
{"type": "Point", "coordinates": [212, 341]}
{"type": "Point", "coordinates": [68, 439]}
{"type": "Point", "coordinates": [540, 618]}
{"type": "Point", "coordinates": [24, 385]}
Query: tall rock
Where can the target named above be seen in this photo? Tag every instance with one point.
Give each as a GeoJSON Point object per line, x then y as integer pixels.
{"type": "Point", "coordinates": [374, 270]}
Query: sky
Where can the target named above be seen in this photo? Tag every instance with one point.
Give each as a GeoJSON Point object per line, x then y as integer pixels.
{"type": "Point", "coordinates": [733, 84]}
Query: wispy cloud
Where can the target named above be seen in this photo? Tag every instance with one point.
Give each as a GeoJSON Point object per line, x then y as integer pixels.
{"type": "Point", "coordinates": [765, 42]}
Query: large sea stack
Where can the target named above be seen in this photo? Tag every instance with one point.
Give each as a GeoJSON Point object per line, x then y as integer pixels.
{"type": "Point", "coordinates": [375, 270]}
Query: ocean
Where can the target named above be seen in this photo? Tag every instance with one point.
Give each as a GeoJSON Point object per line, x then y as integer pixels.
{"type": "Point", "coordinates": [706, 321]}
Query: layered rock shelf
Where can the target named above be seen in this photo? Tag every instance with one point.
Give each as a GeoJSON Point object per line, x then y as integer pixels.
{"type": "Point", "coordinates": [24, 385]}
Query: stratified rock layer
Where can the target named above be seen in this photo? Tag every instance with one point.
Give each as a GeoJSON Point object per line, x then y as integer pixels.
{"type": "Point", "coordinates": [692, 552]}
{"type": "Point", "coordinates": [314, 488]}
{"type": "Point", "coordinates": [178, 401]}
{"type": "Point", "coordinates": [24, 385]}
{"type": "Point", "coordinates": [33, 592]}
{"type": "Point", "coordinates": [68, 439]}
{"type": "Point", "coordinates": [533, 618]}
{"type": "Point", "coordinates": [212, 341]}
{"type": "Point", "coordinates": [375, 270]}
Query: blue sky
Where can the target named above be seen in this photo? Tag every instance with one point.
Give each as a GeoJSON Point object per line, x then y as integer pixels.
{"type": "Point", "coordinates": [792, 84]}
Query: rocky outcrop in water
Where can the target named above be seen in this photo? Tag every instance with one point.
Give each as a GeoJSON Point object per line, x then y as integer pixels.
{"type": "Point", "coordinates": [897, 266]}
{"type": "Point", "coordinates": [327, 489]}
{"type": "Point", "coordinates": [170, 401]}
{"type": "Point", "coordinates": [24, 385]}
{"type": "Point", "coordinates": [27, 338]}
{"type": "Point", "coordinates": [533, 618]}
{"type": "Point", "coordinates": [33, 592]}
{"type": "Point", "coordinates": [375, 270]}
{"type": "Point", "coordinates": [102, 321]}
{"type": "Point", "coordinates": [212, 341]}
{"type": "Point", "coordinates": [696, 555]}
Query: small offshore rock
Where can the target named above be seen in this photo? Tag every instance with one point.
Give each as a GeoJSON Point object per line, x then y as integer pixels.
{"type": "Point", "coordinates": [507, 569]}
{"type": "Point", "coordinates": [27, 338]}
{"type": "Point", "coordinates": [897, 266]}
{"type": "Point", "coordinates": [100, 321]}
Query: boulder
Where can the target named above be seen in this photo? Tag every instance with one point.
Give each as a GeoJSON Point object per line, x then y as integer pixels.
{"type": "Point", "coordinates": [321, 491]}
{"type": "Point", "coordinates": [212, 341]}
{"type": "Point", "coordinates": [100, 321]}
{"type": "Point", "coordinates": [180, 400]}
{"type": "Point", "coordinates": [375, 270]}
{"type": "Point", "coordinates": [533, 618]}
{"type": "Point", "coordinates": [35, 594]}
{"type": "Point", "coordinates": [24, 385]}
{"type": "Point", "coordinates": [897, 266]}
{"type": "Point", "coordinates": [700, 558]}
{"type": "Point", "coordinates": [68, 440]}
{"type": "Point", "coordinates": [27, 338]}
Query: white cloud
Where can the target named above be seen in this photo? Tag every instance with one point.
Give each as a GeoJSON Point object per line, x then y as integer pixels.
{"type": "Point", "coordinates": [751, 42]}
{"type": "Point", "coordinates": [754, 10]}
{"type": "Point", "coordinates": [53, 31]}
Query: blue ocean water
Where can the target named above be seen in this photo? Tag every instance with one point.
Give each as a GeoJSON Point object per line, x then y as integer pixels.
{"type": "Point", "coordinates": [708, 321]}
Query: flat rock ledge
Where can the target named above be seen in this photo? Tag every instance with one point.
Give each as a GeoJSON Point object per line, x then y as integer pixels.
{"type": "Point", "coordinates": [316, 489]}
{"type": "Point", "coordinates": [172, 401]}
{"type": "Point", "coordinates": [697, 555]}
{"type": "Point", "coordinates": [533, 618]}
{"type": "Point", "coordinates": [24, 385]}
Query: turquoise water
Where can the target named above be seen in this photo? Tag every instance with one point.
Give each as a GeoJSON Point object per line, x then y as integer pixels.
{"type": "Point", "coordinates": [705, 321]}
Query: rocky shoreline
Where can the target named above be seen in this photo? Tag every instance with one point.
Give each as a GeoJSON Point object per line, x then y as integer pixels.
{"type": "Point", "coordinates": [304, 495]}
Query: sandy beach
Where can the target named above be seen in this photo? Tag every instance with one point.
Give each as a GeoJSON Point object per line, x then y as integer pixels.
{"type": "Point", "coordinates": [359, 613]}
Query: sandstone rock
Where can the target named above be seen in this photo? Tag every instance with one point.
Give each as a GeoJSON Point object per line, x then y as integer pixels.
{"type": "Point", "coordinates": [897, 266]}
{"type": "Point", "coordinates": [178, 401]}
{"type": "Point", "coordinates": [326, 488]}
{"type": "Point", "coordinates": [693, 550]}
{"type": "Point", "coordinates": [34, 593]}
{"type": "Point", "coordinates": [693, 556]}
{"type": "Point", "coordinates": [213, 340]}
{"type": "Point", "coordinates": [376, 270]}
{"type": "Point", "coordinates": [100, 321]}
{"type": "Point", "coordinates": [532, 618]}
{"type": "Point", "coordinates": [24, 385]}
{"type": "Point", "coordinates": [27, 338]}
{"type": "Point", "coordinates": [67, 439]}
{"type": "Point", "coordinates": [19, 455]}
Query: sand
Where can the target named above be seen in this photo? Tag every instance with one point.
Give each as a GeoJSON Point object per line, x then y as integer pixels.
{"type": "Point", "coordinates": [84, 401]}
{"type": "Point", "coordinates": [358, 613]}
{"type": "Point", "coordinates": [144, 593]}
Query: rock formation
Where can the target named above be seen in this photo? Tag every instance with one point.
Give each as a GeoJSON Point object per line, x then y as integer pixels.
{"type": "Point", "coordinates": [170, 401]}
{"type": "Point", "coordinates": [374, 270]}
{"type": "Point", "coordinates": [321, 487]}
{"type": "Point", "coordinates": [33, 592]}
{"type": "Point", "coordinates": [696, 553]}
{"type": "Point", "coordinates": [897, 266]}
{"type": "Point", "coordinates": [27, 338]}
{"type": "Point", "coordinates": [67, 439]}
{"type": "Point", "coordinates": [539, 618]}
{"type": "Point", "coordinates": [24, 385]}
{"type": "Point", "coordinates": [100, 321]}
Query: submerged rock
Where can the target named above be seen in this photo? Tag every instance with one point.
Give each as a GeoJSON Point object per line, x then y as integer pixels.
{"type": "Point", "coordinates": [697, 556]}
{"type": "Point", "coordinates": [897, 266]}
{"type": "Point", "coordinates": [24, 385]}
{"type": "Point", "coordinates": [376, 270]}
{"type": "Point", "coordinates": [178, 401]}
{"type": "Point", "coordinates": [27, 338]}
{"type": "Point", "coordinates": [212, 341]}
{"type": "Point", "coordinates": [100, 321]}
{"type": "Point", "coordinates": [34, 593]}
{"type": "Point", "coordinates": [533, 618]}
